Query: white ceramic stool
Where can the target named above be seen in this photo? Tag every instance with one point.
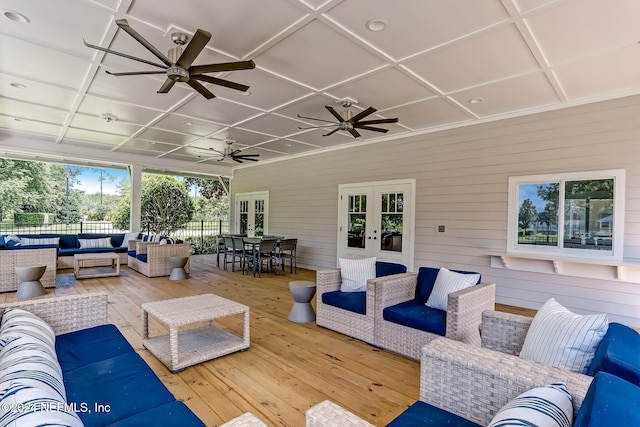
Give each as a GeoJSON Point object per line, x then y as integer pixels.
{"type": "Point", "coordinates": [29, 277]}
{"type": "Point", "coordinates": [302, 292]}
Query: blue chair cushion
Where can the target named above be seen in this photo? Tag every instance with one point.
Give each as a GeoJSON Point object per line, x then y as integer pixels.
{"type": "Point", "coordinates": [174, 414]}
{"type": "Point", "coordinates": [125, 383]}
{"type": "Point", "coordinates": [132, 253]}
{"type": "Point", "coordinates": [80, 348]}
{"type": "Point", "coordinates": [142, 257]}
{"type": "Point", "coordinates": [351, 301]}
{"type": "Point", "coordinates": [427, 278]}
{"type": "Point", "coordinates": [389, 268]}
{"type": "Point", "coordinates": [610, 401]}
{"type": "Point", "coordinates": [618, 354]}
{"type": "Point", "coordinates": [423, 414]}
{"type": "Point", "coordinates": [415, 314]}
{"type": "Point", "coordinates": [68, 241]}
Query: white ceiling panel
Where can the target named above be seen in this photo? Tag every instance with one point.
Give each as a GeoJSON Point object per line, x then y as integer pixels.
{"type": "Point", "coordinates": [425, 66]}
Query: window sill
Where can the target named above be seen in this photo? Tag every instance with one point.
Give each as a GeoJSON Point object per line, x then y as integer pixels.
{"type": "Point", "coordinates": [625, 270]}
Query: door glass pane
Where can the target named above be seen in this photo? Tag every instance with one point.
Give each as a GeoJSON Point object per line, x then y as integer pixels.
{"type": "Point", "coordinates": [357, 220]}
{"type": "Point", "coordinates": [244, 216]}
{"type": "Point", "coordinates": [259, 218]}
{"type": "Point", "coordinates": [588, 219]}
{"type": "Point", "coordinates": [538, 214]}
{"type": "Point", "coordinates": [392, 218]}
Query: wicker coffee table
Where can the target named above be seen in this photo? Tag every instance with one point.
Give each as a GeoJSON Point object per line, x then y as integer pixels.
{"type": "Point", "coordinates": [86, 266]}
{"type": "Point", "coordinates": [185, 347]}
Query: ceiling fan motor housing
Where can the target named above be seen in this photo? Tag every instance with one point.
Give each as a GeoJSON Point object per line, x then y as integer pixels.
{"type": "Point", "coordinates": [177, 74]}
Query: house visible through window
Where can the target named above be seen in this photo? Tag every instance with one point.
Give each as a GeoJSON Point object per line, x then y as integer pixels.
{"type": "Point", "coordinates": [576, 214]}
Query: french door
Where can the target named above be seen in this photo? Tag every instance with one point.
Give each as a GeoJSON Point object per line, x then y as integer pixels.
{"type": "Point", "coordinates": [252, 213]}
{"type": "Point", "coordinates": [377, 219]}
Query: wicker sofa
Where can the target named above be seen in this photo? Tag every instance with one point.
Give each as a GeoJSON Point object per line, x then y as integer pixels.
{"type": "Point", "coordinates": [408, 293]}
{"type": "Point", "coordinates": [152, 258]}
{"type": "Point", "coordinates": [10, 259]}
{"type": "Point", "coordinates": [105, 381]}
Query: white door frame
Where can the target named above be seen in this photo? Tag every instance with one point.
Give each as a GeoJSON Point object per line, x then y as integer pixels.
{"type": "Point", "coordinates": [251, 197]}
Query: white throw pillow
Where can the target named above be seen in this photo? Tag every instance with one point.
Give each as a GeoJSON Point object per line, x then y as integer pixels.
{"type": "Point", "coordinates": [356, 272]}
{"type": "Point", "coordinates": [127, 237]}
{"type": "Point", "coordinates": [557, 337]}
{"type": "Point", "coordinates": [447, 282]}
{"type": "Point", "coordinates": [549, 406]}
{"type": "Point", "coordinates": [104, 242]}
{"type": "Point", "coordinates": [30, 241]}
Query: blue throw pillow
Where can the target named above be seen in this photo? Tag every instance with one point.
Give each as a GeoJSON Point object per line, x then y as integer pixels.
{"type": "Point", "coordinates": [610, 401]}
{"type": "Point", "coordinates": [389, 268]}
{"type": "Point", "coordinates": [618, 354]}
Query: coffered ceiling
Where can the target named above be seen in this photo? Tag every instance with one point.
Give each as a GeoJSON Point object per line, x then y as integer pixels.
{"type": "Point", "coordinates": [434, 64]}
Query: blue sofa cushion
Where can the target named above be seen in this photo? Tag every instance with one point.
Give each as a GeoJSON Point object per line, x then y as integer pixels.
{"type": "Point", "coordinates": [618, 354]}
{"type": "Point", "coordinates": [423, 414]}
{"type": "Point", "coordinates": [174, 414]}
{"type": "Point", "coordinates": [427, 278]}
{"type": "Point", "coordinates": [389, 268]}
{"type": "Point", "coordinates": [415, 314]}
{"type": "Point", "coordinates": [610, 401]}
{"type": "Point", "coordinates": [132, 253]}
{"type": "Point", "coordinates": [86, 346]}
{"type": "Point", "coordinates": [142, 257]}
{"type": "Point", "coordinates": [68, 241]}
{"type": "Point", "coordinates": [125, 383]}
{"type": "Point", "coordinates": [351, 301]}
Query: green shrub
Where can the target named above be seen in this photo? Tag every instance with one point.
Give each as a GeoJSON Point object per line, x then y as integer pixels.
{"type": "Point", "coordinates": [28, 218]}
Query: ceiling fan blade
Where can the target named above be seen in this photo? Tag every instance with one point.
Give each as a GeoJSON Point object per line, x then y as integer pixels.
{"type": "Point", "coordinates": [124, 55]}
{"type": "Point", "coordinates": [166, 86]}
{"type": "Point", "coordinates": [359, 126]}
{"type": "Point", "coordinates": [363, 114]}
{"type": "Point", "coordinates": [319, 120]}
{"type": "Point", "coordinates": [224, 66]}
{"type": "Point", "coordinates": [135, 73]}
{"type": "Point", "coordinates": [354, 133]}
{"type": "Point", "coordinates": [332, 132]}
{"type": "Point", "coordinates": [193, 49]}
{"type": "Point", "coordinates": [376, 122]}
{"type": "Point", "coordinates": [235, 159]}
{"type": "Point", "coordinates": [201, 89]}
{"type": "Point", "coordinates": [247, 155]}
{"type": "Point", "coordinates": [334, 113]}
{"type": "Point", "coordinates": [124, 25]}
{"type": "Point", "coordinates": [221, 82]}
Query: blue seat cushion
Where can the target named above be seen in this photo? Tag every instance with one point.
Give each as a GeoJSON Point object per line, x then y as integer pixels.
{"type": "Point", "coordinates": [174, 414]}
{"type": "Point", "coordinates": [80, 348]}
{"type": "Point", "coordinates": [618, 354]}
{"type": "Point", "coordinates": [610, 401]}
{"type": "Point", "coordinates": [142, 257]}
{"type": "Point", "coordinates": [415, 314]}
{"type": "Point", "coordinates": [132, 253]}
{"type": "Point", "coordinates": [423, 414]}
{"type": "Point", "coordinates": [427, 278]}
{"type": "Point", "coordinates": [351, 301]}
{"type": "Point", "coordinates": [125, 383]}
{"type": "Point", "coordinates": [389, 268]}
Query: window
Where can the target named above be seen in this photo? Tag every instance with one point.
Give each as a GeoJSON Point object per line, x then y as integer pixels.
{"type": "Point", "coordinates": [572, 214]}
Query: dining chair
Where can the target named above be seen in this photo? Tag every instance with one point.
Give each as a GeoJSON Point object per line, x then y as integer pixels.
{"type": "Point", "coordinates": [267, 252]}
{"type": "Point", "coordinates": [287, 250]}
{"type": "Point", "coordinates": [237, 251]}
{"type": "Point", "coordinates": [250, 256]}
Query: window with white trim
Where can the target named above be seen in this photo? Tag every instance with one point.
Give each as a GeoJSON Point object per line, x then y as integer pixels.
{"type": "Point", "coordinates": [571, 214]}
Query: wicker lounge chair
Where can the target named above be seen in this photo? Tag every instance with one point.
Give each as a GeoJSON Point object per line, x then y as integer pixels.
{"type": "Point", "coordinates": [152, 259]}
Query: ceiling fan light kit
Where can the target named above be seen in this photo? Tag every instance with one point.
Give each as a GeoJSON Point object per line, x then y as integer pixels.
{"type": "Point", "coordinates": [177, 64]}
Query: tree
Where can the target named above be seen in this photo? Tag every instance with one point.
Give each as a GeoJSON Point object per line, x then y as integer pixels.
{"type": "Point", "coordinates": [67, 201]}
{"type": "Point", "coordinates": [527, 215]}
{"type": "Point", "coordinates": [210, 188]}
{"type": "Point", "coordinates": [24, 186]}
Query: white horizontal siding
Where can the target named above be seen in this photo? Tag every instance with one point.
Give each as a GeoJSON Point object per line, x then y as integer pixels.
{"type": "Point", "coordinates": [462, 183]}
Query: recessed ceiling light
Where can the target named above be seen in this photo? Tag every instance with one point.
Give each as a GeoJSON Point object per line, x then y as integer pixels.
{"type": "Point", "coordinates": [476, 100]}
{"type": "Point", "coordinates": [16, 17]}
{"type": "Point", "coordinates": [18, 85]}
{"type": "Point", "coordinates": [187, 123]}
{"type": "Point", "coordinates": [376, 25]}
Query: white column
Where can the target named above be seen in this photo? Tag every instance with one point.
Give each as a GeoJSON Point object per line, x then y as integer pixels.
{"type": "Point", "coordinates": [135, 173]}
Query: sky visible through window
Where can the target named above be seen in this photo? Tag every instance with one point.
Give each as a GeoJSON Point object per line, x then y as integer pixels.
{"type": "Point", "coordinates": [90, 180]}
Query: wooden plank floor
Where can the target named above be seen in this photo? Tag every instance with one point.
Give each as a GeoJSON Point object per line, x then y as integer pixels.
{"type": "Point", "coordinates": [289, 366]}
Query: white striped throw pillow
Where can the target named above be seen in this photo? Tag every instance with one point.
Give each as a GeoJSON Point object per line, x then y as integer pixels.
{"type": "Point", "coordinates": [557, 337]}
{"type": "Point", "coordinates": [32, 241]}
{"type": "Point", "coordinates": [447, 282]}
{"type": "Point", "coordinates": [103, 242]}
{"type": "Point", "coordinates": [356, 272]}
{"type": "Point", "coordinates": [549, 406]}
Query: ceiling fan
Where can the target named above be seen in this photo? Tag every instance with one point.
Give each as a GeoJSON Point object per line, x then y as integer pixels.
{"type": "Point", "coordinates": [177, 65]}
{"type": "Point", "coordinates": [348, 122]}
{"type": "Point", "coordinates": [230, 153]}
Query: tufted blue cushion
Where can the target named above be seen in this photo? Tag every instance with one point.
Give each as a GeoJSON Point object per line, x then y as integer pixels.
{"type": "Point", "coordinates": [174, 414]}
{"type": "Point", "coordinates": [610, 401]}
{"type": "Point", "coordinates": [423, 414]}
{"type": "Point", "coordinates": [415, 314]}
{"type": "Point", "coordinates": [389, 268]}
{"type": "Point", "coordinates": [351, 301]}
{"type": "Point", "coordinates": [427, 278]}
{"type": "Point", "coordinates": [142, 257]}
{"type": "Point", "coordinates": [618, 354]}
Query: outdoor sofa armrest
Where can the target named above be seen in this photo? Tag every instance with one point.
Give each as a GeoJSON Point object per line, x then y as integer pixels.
{"type": "Point", "coordinates": [475, 383]}
{"type": "Point", "coordinates": [329, 414]}
{"type": "Point", "coordinates": [141, 247]}
{"type": "Point", "coordinates": [67, 313]}
{"type": "Point", "coordinates": [504, 332]}
{"type": "Point", "coordinates": [392, 290]}
{"type": "Point", "coordinates": [328, 281]}
{"type": "Point", "coordinates": [464, 312]}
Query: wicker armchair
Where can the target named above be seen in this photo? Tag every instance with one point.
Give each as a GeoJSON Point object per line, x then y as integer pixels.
{"type": "Point", "coordinates": [463, 316]}
{"type": "Point", "coordinates": [152, 259]}
{"type": "Point", "coordinates": [356, 325]}
{"type": "Point", "coordinates": [467, 381]}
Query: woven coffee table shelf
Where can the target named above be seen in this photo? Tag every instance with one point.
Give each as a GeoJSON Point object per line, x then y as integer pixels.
{"type": "Point", "coordinates": [181, 348]}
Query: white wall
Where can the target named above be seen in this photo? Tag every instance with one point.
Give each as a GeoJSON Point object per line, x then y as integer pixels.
{"type": "Point", "coordinates": [462, 183]}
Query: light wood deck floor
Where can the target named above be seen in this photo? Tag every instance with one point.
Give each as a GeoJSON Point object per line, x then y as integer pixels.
{"type": "Point", "coordinates": [288, 368]}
